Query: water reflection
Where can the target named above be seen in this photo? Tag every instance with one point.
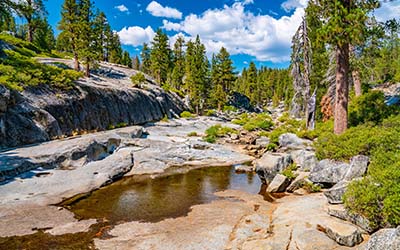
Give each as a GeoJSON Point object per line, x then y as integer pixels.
{"type": "Point", "coordinates": [156, 199]}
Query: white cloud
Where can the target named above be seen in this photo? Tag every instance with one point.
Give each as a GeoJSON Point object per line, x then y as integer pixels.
{"type": "Point", "coordinates": [122, 8]}
{"type": "Point", "coordinates": [158, 10]}
{"type": "Point", "coordinates": [290, 5]}
{"type": "Point", "coordinates": [167, 25]}
{"type": "Point", "coordinates": [265, 37]}
{"type": "Point", "coordinates": [136, 35]}
{"type": "Point", "coordinates": [388, 10]}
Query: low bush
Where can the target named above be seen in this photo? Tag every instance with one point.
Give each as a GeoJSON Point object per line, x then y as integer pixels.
{"type": "Point", "coordinates": [370, 107]}
{"type": "Point", "coordinates": [191, 134]}
{"type": "Point", "coordinates": [216, 131]}
{"type": "Point", "coordinates": [187, 114]}
{"type": "Point", "coordinates": [376, 196]}
{"type": "Point", "coordinates": [138, 79]}
{"type": "Point", "coordinates": [254, 122]}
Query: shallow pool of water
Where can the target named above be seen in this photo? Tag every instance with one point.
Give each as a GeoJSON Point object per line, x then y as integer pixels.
{"type": "Point", "coordinates": [153, 200]}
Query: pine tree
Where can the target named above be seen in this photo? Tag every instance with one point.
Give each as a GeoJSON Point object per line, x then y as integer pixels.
{"type": "Point", "coordinates": [179, 63]}
{"type": "Point", "coordinates": [196, 74]}
{"type": "Point", "coordinates": [7, 22]}
{"type": "Point", "coordinates": [86, 47]}
{"type": "Point", "coordinates": [160, 57]}
{"type": "Point", "coordinates": [344, 26]}
{"type": "Point", "coordinates": [136, 63]}
{"type": "Point", "coordinates": [145, 56]}
{"type": "Point", "coordinates": [222, 77]}
{"type": "Point", "coordinates": [69, 25]}
{"type": "Point", "coordinates": [126, 59]}
{"type": "Point", "coordinates": [32, 11]}
{"type": "Point", "coordinates": [44, 36]}
{"type": "Point", "coordinates": [252, 83]}
{"type": "Point", "coordinates": [115, 50]}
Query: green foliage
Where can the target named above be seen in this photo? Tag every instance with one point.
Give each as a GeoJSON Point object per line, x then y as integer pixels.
{"type": "Point", "coordinates": [138, 79]}
{"type": "Point", "coordinates": [376, 196]}
{"type": "Point", "coordinates": [168, 88]}
{"type": "Point", "coordinates": [289, 172]}
{"type": "Point", "coordinates": [210, 112]}
{"type": "Point", "coordinates": [187, 114]}
{"type": "Point", "coordinates": [216, 131]}
{"type": "Point", "coordinates": [370, 107]}
{"type": "Point", "coordinates": [160, 57]}
{"type": "Point", "coordinates": [252, 122]}
{"type": "Point", "coordinates": [165, 118]}
{"type": "Point", "coordinates": [19, 70]}
{"type": "Point", "coordinates": [311, 187]}
{"type": "Point", "coordinates": [192, 134]}
{"type": "Point", "coordinates": [229, 109]}
{"type": "Point", "coordinates": [288, 126]}
{"type": "Point", "coordinates": [119, 125]}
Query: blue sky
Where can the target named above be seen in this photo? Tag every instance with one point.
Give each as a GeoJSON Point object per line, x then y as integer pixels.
{"type": "Point", "coordinates": [251, 30]}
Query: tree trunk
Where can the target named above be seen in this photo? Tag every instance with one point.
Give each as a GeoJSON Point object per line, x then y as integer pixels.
{"type": "Point", "coordinates": [30, 32]}
{"type": "Point", "coordinates": [87, 69]}
{"type": "Point", "coordinates": [342, 88]}
{"type": "Point", "coordinates": [357, 82]}
{"type": "Point", "coordinates": [76, 62]}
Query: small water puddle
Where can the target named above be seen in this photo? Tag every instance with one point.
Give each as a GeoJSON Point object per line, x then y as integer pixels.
{"type": "Point", "coordinates": [152, 200]}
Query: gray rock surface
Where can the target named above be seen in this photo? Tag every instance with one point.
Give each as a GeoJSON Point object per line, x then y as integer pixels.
{"type": "Point", "coordinates": [42, 113]}
{"type": "Point", "coordinates": [263, 141]}
{"type": "Point", "coordinates": [385, 239]}
{"type": "Point", "coordinates": [271, 164]}
{"type": "Point", "coordinates": [345, 234]}
{"type": "Point", "coordinates": [304, 159]}
{"type": "Point", "coordinates": [340, 212]}
{"type": "Point", "coordinates": [278, 184]}
{"type": "Point", "coordinates": [358, 167]}
{"type": "Point", "coordinates": [328, 172]}
{"type": "Point", "coordinates": [292, 141]}
{"type": "Point", "coordinates": [299, 181]}
{"type": "Point", "coordinates": [335, 194]}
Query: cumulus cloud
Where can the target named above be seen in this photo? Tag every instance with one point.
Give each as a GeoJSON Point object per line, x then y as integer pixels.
{"type": "Point", "coordinates": [290, 5]}
{"type": "Point", "coordinates": [136, 35]}
{"type": "Point", "coordinates": [158, 10]}
{"type": "Point", "coordinates": [388, 10]}
{"type": "Point", "coordinates": [265, 37]}
{"type": "Point", "coordinates": [122, 8]}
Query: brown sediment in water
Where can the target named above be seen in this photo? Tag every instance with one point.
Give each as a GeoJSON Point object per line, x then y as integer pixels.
{"type": "Point", "coordinates": [140, 199]}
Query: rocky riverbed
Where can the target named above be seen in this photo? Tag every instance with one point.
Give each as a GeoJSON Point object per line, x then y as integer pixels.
{"type": "Point", "coordinates": [37, 178]}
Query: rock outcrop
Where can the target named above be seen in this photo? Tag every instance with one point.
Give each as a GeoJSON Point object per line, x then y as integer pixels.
{"type": "Point", "coordinates": [388, 239]}
{"type": "Point", "coordinates": [271, 164]}
{"type": "Point", "coordinates": [43, 113]}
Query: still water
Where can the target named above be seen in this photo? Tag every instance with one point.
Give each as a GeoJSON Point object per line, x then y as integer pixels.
{"type": "Point", "coordinates": [153, 200]}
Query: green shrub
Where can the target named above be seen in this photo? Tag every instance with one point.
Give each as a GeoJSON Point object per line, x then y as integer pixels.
{"type": "Point", "coordinates": [289, 174]}
{"type": "Point", "coordinates": [210, 112]}
{"type": "Point", "coordinates": [254, 122]}
{"type": "Point", "coordinates": [165, 118]}
{"type": "Point", "coordinates": [370, 107]}
{"type": "Point", "coordinates": [191, 134]}
{"type": "Point", "coordinates": [229, 109]}
{"type": "Point", "coordinates": [213, 132]}
{"type": "Point", "coordinates": [187, 114]}
{"type": "Point", "coordinates": [311, 187]}
{"type": "Point", "coordinates": [376, 196]}
{"type": "Point", "coordinates": [138, 79]}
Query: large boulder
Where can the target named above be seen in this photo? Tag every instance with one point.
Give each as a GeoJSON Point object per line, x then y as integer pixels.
{"type": "Point", "coordinates": [304, 159]}
{"type": "Point", "coordinates": [387, 239]}
{"type": "Point", "coordinates": [339, 211]}
{"type": "Point", "coordinates": [262, 141]}
{"type": "Point", "coordinates": [300, 180]}
{"type": "Point", "coordinates": [292, 141]}
{"type": "Point", "coordinates": [240, 101]}
{"type": "Point", "coordinates": [270, 164]}
{"type": "Point", "coordinates": [358, 167]}
{"type": "Point", "coordinates": [4, 98]}
{"type": "Point", "coordinates": [335, 194]}
{"type": "Point", "coordinates": [343, 233]}
{"type": "Point", "coordinates": [328, 172]}
{"type": "Point", "coordinates": [278, 184]}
